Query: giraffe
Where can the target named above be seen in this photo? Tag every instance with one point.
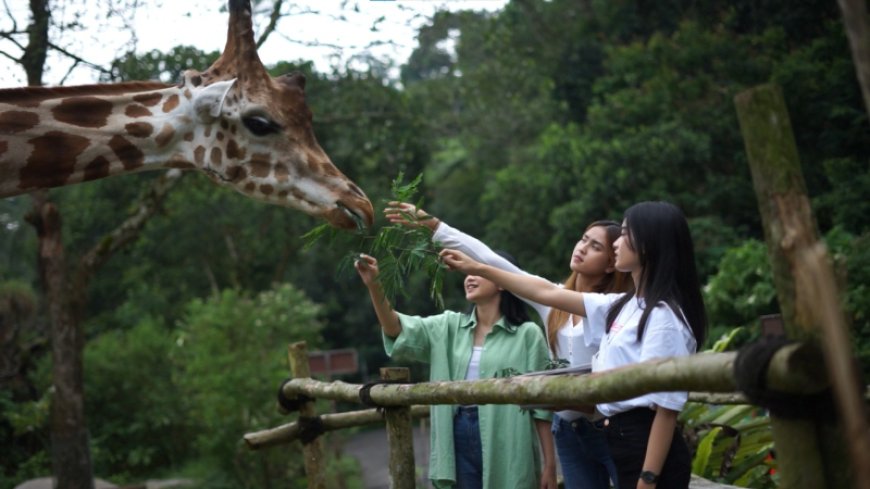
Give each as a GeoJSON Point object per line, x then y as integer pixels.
{"type": "Point", "coordinates": [234, 122]}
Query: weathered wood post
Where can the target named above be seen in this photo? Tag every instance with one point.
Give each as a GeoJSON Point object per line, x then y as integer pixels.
{"type": "Point", "coordinates": [312, 452]}
{"type": "Point", "coordinates": [400, 435]}
{"type": "Point", "coordinates": [811, 455]}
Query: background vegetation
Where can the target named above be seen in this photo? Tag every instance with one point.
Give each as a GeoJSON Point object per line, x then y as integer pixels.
{"type": "Point", "coordinates": [526, 125]}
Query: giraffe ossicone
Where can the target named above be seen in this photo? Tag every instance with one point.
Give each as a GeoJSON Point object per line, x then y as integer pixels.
{"type": "Point", "coordinates": [233, 122]}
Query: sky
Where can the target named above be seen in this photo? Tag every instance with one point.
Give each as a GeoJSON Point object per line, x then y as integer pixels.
{"type": "Point", "coordinates": [333, 36]}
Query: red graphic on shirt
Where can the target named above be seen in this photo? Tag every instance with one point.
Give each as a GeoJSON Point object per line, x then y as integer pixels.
{"type": "Point", "coordinates": [614, 328]}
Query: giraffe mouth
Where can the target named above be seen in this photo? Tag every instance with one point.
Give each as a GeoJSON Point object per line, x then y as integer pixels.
{"type": "Point", "coordinates": [359, 220]}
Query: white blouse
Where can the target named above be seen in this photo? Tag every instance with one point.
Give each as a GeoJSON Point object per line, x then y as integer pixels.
{"type": "Point", "coordinates": [665, 335]}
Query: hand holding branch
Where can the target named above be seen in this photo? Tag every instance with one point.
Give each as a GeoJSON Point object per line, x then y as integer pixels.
{"type": "Point", "coordinates": [367, 267]}
{"type": "Point", "coordinates": [406, 214]}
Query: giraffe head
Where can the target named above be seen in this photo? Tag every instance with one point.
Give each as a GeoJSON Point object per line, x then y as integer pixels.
{"type": "Point", "coordinates": [265, 145]}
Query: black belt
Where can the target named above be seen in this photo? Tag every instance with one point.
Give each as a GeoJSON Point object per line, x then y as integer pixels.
{"type": "Point", "coordinates": [636, 415]}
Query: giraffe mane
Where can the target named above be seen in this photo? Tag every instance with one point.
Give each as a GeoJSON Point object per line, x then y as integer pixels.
{"type": "Point", "coordinates": [34, 95]}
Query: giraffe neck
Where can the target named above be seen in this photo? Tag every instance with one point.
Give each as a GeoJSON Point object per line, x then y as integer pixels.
{"type": "Point", "coordinates": [51, 137]}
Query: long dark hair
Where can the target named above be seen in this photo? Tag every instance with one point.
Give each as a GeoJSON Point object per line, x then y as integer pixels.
{"type": "Point", "coordinates": [659, 234]}
{"type": "Point", "coordinates": [511, 307]}
{"type": "Point", "coordinates": [615, 281]}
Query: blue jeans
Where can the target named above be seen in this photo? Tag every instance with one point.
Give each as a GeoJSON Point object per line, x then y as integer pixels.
{"type": "Point", "coordinates": [583, 454]}
{"type": "Point", "coordinates": [469, 455]}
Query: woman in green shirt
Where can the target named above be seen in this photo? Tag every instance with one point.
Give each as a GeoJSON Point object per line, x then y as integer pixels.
{"type": "Point", "coordinates": [485, 446]}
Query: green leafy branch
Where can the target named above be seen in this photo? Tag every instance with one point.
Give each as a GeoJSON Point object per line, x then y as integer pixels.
{"type": "Point", "coordinates": [400, 250]}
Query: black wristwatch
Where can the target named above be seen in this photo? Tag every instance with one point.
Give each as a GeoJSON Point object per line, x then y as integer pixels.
{"type": "Point", "coordinates": [649, 477]}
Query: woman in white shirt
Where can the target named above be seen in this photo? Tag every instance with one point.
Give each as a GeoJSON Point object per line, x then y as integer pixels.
{"type": "Point", "coordinates": [664, 317]}
{"type": "Point", "coordinates": [582, 449]}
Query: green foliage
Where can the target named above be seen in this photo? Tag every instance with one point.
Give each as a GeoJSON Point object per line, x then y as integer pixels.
{"type": "Point", "coordinates": [400, 250]}
{"type": "Point", "coordinates": [742, 289]}
{"type": "Point", "coordinates": [181, 400]}
{"type": "Point", "coordinates": [230, 361]}
{"type": "Point", "coordinates": [734, 444]}
{"type": "Point", "coordinates": [154, 65]}
{"type": "Point", "coordinates": [132, 402]}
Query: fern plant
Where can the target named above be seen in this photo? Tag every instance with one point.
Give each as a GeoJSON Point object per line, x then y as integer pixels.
{"type": "Point", "coordinates": [400, 250]}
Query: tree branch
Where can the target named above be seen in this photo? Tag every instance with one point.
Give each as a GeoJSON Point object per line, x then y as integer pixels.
{"type": "Point", "coordinates": [129, 230]}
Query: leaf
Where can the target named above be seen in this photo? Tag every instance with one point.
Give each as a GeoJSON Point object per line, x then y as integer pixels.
{"type": "Point", "coordinates": [701, 463]}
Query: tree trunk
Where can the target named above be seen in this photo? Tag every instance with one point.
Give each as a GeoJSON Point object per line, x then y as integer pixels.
{"type": "Point", "coordinates": [33, 59]}
{"type": "Point", "coordinates": [66, 299]}
{"type": "Point", "coordinates": [70, 450]}
{"type": "Point", "coordinates": [858, 29]}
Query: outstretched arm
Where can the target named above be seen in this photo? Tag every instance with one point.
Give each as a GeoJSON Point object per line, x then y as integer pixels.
{"type": "Point", "coordinates": [367, 267]}
{"type": "Point", "coordinates": [528, 286]}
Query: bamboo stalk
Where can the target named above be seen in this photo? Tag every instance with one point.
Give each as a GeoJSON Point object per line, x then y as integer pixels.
{"type": "Point", "coordinates": [815, 274]}
{"type": "Point", "coordinates": [809, 451]}
{"type": "Point", "coordinates": [400, 435]}
{"type": "Point", "coordinates": [289, 432]}
{"type": "Point", "coordinates": [312, 453]}
{"type": "Point", "coordinates": [708, 372]}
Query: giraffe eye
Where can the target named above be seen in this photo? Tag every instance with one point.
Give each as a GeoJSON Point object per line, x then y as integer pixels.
{"type": "Point", "coordinates": [260, 125]}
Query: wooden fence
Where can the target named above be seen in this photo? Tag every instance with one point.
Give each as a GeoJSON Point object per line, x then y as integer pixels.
{"type": "Point", "coordinates": [401, 401]}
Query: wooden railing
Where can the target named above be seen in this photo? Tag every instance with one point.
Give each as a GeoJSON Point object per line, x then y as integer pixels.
{"type": "Point", "coordinates": [402, 401]}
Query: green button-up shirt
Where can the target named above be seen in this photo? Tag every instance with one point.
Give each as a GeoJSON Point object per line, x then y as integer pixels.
{"type": "Point", "coordinates": [511, 455]}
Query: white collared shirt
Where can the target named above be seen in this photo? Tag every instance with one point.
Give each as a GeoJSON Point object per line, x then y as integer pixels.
{"type": "Point", "coordinates": [665, 335]}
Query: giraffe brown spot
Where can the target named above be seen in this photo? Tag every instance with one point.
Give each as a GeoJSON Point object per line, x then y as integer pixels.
{"type": "Point", "coordinates": [187, 93]}
{"type": "Point", "coordinates": [224, 124]}
{"type": "Point", "coordinates": [171, 103]}
{"type": "Point", "coordinates": [207, 132]}
{"type": "Point", "coordinates": [267, 189]}
{"type": "Point", "coordinates": [52, 161]}
{"type": "Point", "coordinates": [233, 150]}
{"type": "Point", "coordinates": [216, 156]}
{"type": "Point", "coordinates": [139, 129]}
{"type": "Point", "coordinates": [282, 194]}
{"type": "Point", "coordinates": [236, 173]}
{"type": "Point", "coordinates": [188, 136]}
{"type": "Point", "coordinates": [250, 186]}
{"type": "Point", "coordinates": [165, 136]}
{"type": "Point", "coordinates": [199, 155]}
{"type": "Point", "coordinates": [233, 128]}
{"type": "Point", "coordinates": [98, 168]}
{"type": "Point", "coordinates": [196, 80]}
{"type": "Point", "coordinates": [136, 110]}
{"type": "Point", "coordinates": [260, 168]}
{"type": "Point", "coordinates": [131, 156]}
{"type": "Point", "coordinates": [282, 174]}
{"type": "Point", "coordinates": [16, 121]}
{"type": "Point", "coordinates": [83, 111]}
{"type": "Point", "coordinates": [220, 136]}
{"type": "Point", "coordinates": [148, 99]}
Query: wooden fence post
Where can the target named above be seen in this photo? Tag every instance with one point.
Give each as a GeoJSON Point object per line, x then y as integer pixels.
{"type": "Point", "coordinates": [400, 435]}
{"type": "Point", "coordinates": [811, 455]}
{"type": "Point", "coordinates": [312, 452]}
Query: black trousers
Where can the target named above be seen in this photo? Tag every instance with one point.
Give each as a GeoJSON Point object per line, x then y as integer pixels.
{"type": "Point", "coordinates": [627, 436]}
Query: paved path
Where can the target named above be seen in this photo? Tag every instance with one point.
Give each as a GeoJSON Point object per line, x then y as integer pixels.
{"type": "Point", "coordinates": [370, 448]}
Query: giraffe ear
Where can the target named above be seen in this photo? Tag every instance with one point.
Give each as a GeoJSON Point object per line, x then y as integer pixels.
{"type": "Point", "coordinates": [208, 102]}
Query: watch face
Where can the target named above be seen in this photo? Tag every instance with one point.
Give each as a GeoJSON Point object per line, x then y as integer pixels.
{"type": "Point", "coordinates": [649, 477]}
